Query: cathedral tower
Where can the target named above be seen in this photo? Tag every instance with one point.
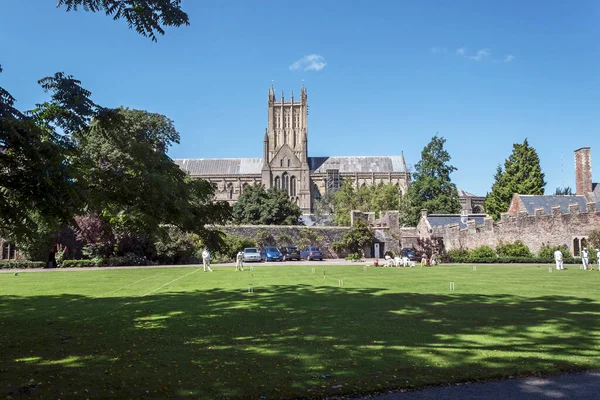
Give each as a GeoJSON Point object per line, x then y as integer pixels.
{"type": "Point", "coordinates": [285, 159]}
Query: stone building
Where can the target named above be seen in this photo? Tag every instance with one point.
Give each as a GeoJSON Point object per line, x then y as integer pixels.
{"type": "Point", "coordinates": [536, 220]}
{"type": "Point", "coordinates": [470, 203]}
{"type": "Point", "coordinates": [286, 164]}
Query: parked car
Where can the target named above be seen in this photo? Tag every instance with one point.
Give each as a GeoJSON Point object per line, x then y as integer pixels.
{"type": "Point", "coordinates": [252, 254]}
{"type": "Point", "coordinates": [272, 253]}
{"type": "Point", "coordinates": [312, 253]}
{"type": "Point", "coordinates": [290, 253]}
{"type": "Point", "coordinates": [410, 253]}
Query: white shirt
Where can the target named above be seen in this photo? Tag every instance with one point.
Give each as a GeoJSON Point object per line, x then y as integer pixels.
{"type": "Point", "coordinates": [205, 254]}
{"type": "Point", "coordinates": [558, 255]}
{"type": "Point", "coordinates": [585, 254]}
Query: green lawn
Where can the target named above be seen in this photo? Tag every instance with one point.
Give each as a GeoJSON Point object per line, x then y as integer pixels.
{"type": "Point", "coordinates": [180, 332]}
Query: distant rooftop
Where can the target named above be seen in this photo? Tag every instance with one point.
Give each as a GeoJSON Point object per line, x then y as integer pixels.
{"type": "Point", "coordinates": [531, 202]}
{"type": "Point", "coordinates": [440, 220]}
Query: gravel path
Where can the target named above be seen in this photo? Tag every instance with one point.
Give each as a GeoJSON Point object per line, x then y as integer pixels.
{"type": "Point", "coordinates": [571, 386]}
{"type": "Point", "coordinates": [333, 261]}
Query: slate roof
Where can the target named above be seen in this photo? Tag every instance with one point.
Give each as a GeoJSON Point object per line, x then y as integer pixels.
{"type": "Point", "coordinates": [531, 202]}
{"type": "Point", "coordinates": [253, 166]}
{"type": "Point", "coordinates": [220, 166]}
{"type": "Point", "coordinates": [440, 220]}
{"type": "Point", "coordinates": [594, 195]}
{"type": "Point", "coordinates": [350, 164]}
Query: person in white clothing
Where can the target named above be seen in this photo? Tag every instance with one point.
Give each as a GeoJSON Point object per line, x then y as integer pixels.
{"type": "Point", "coordinates": [558, 258]}
{"type": "Point", "coordinates": [206, 260]}
{"type": "Point", "coordinates": [598, 258]}
{"type": "Point", "coordinates": [585, 257]}
{"type": "Point", "coordinates": [239, 261]}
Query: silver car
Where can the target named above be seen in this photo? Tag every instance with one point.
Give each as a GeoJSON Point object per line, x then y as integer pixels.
{"type": "Point", "coordinates": [252, 254]}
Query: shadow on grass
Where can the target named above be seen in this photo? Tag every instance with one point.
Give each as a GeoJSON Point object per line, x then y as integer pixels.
{"type": "Point", "coordinates": [284, 342]}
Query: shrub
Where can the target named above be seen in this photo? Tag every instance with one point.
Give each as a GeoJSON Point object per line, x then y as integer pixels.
{"type": "Point", "coordinates": [21, 264]}
{"type": "Point", "coordinates": [129, 259]}
{"type": "Point", "coordinates": [176, 247]}
{"type": "Point", "coordinates": [457, 256]}
{"type": "Point", "coordinates": [353, 257]}
{"type": "Point", "coordinates": [81, 263]}
{"type": "Point", "coordinates": [516, 249]}
{"type": "Point", "coordinates": [482, 252]}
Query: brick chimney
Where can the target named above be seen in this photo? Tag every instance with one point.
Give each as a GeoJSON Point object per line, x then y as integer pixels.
{"type": "Point", "coordinates": [583, 170]}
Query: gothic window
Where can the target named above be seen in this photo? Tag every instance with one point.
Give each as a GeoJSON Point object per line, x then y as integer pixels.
{"type": "Point", "coordinates": [576, 250]}
{"type": "Point", "coordinates": [277, 183]}
{"type": "Point", "coordinates": [285, 182]}
{"type": "Point", "coordinates": [288, 163]}
{"type": "Point", "coordinates": [230, 191]}
{"type": "Point", "coordinates": [293, 186]}
{"type": "Point", "coordinates": [281, 162]}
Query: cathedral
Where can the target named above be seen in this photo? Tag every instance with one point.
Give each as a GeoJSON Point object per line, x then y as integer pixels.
{"type": "Point", "coordinates": [286, 165]}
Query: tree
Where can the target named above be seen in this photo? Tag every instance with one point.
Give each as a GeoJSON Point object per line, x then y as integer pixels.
{"type": "Point", "coordinates": [135, 186]}
{"type": "Point", "coordinates": [39, 183]}
{"type": "Point", "coordinates": [432, 188]}
{"type": "Point", "coordinates": [522, 174]}
{"type": "Point", "coordinates": [566, 191]}
{"type": "Point", "coordinates": [147, 17]}
{"type": "Point", "coordinates": [356, 239]}
{"type": "Point", "coordinates": [375, 198]}
{"type": "Point", "coordinates": [258, 206]}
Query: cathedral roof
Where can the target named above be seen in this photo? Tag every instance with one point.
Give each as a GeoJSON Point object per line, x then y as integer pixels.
{"type": "Point", "coordinates": [253, 166]}
{"type": "Point", "coordinates": [353, 164]}
{"type": "Point", "coordinates": [220, 166]}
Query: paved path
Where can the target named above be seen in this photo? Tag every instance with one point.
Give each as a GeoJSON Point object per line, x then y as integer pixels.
{"type": "Point", "coordinates": [333, 261]}
{"type": "Point", "coordinates": [572, 386]}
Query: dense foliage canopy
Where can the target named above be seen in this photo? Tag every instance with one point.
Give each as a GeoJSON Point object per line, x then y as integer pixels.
{"type": "Point", "coordinates": [522, 174]}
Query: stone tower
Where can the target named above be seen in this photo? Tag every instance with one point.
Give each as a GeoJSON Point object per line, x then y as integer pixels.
{"type": "Point", "coordinates": [285, 159]}
{"type": "Point", "coordinates": [583, 171]}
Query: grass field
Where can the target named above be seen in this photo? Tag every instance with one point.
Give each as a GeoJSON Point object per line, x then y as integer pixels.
{"type": "Point", "coordinates": [179, 332]}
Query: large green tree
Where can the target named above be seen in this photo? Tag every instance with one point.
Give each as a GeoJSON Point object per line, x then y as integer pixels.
{"type": "Point", "coordinates": [265, 207]}
{"type": "Point", "coordinates": [38, 177]}
{"type": "Point", "coordinates": [432, 188]}
{"type": "Point", "coordinates": [132, 182]}
{"type": "Point", "coordinates": [521, 174]}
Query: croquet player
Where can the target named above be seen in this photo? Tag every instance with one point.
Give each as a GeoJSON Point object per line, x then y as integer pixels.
{"type": "Point", "coordinates": [206, 260]}
{"type": "Point", "coordinates": [558, 259]}
{"type": "Point", "coordinates": [585, 257]}
{"type": "Point", "coordinates": [239, 261]}
{"type": "Point", "coordinates": [598, 258]}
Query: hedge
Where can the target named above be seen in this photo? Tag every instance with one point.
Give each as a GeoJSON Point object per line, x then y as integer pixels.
{"type": "Point", "coordinates": [21, 264]}
{"type": "Point", "coordinates": [80, 264]}
{"type": "Point", "coordinates": [510, 260]}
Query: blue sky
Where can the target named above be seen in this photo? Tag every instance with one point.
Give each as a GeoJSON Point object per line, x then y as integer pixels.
{"type": "Point", "coordinates": [388, 76]}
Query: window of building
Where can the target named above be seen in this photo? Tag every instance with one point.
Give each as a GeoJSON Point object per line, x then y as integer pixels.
{"type": "Point", "coordinates": [277, 183]}
{"type": "Point", "coordinates": [293, 186]}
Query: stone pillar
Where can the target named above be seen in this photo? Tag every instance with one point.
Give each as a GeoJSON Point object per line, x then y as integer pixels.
{"type": "Point", "coordinates": [591, 207]}
{"type": "Point", "coordinates": [574, 208]}
{"type": "Point", "coordinates": [583, 170]}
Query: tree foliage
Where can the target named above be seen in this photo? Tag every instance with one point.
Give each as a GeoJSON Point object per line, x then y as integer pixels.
{"type": "Point", "coordinates": [357, 238]}
{"type": "Point", "coordinates": [147, 17]}
{"type": "Point", "coordinates": [374, 198]}
{"type": "Point", "coordinates": [563, 191]}
{"type": "Point", "coordinates": [522, 174]}
{"type": "Point", "coordinates": [258, 206]}
{"type": "Point", "coordinates": [432, 187]}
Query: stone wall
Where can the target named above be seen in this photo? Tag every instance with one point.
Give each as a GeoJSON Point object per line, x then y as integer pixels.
{"type": "Point", "coordinates": [533, 230]}
{"type": "Point", "coordinates": [329, 234]}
